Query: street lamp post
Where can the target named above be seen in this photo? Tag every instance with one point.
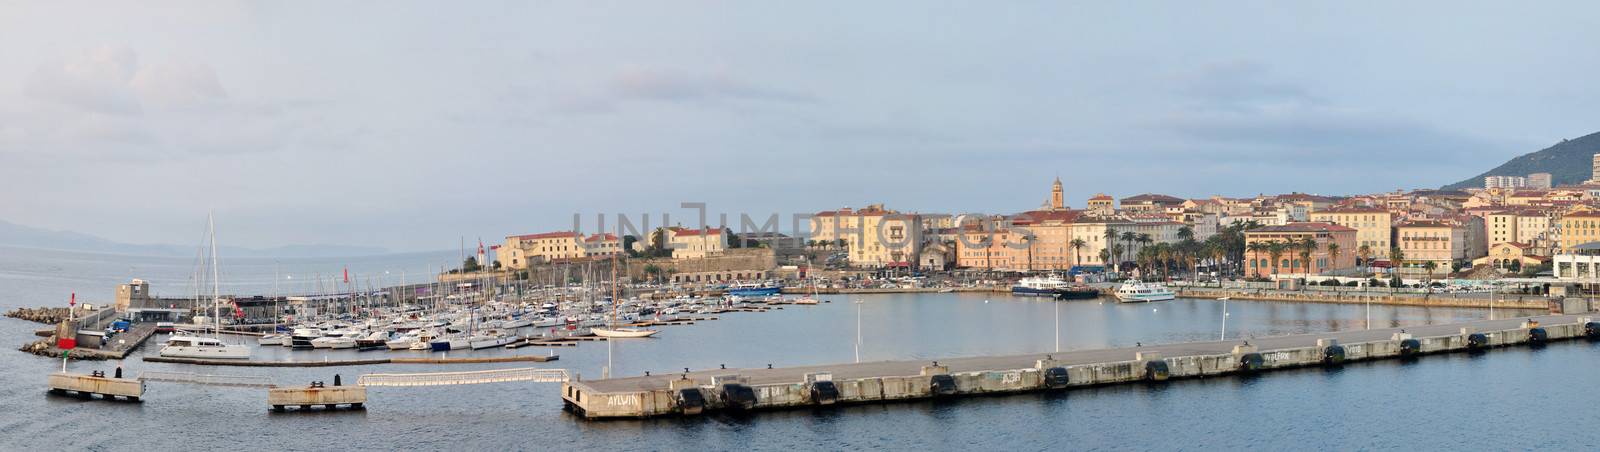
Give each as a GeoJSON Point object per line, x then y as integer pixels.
{"type": "Point", "coordinates": [858, 330]}
{"type": "Point", "coordinates": [1058, 326]}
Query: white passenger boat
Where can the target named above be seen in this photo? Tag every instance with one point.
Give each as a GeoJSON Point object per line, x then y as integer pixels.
{"type": "Point", "coordinates": [622, 332]}
{"type": "Point", "coordinates": [185, 346]}
{"type": "Point", "coordinates": [1140, 292]}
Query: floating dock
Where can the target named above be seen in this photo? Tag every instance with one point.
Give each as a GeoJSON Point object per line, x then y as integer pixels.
{"type": "Point", "coordinates": [802, 387]}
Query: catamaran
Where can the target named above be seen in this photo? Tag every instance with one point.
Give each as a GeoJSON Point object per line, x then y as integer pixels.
{"type": "Point", "coordinates": [188, 346]}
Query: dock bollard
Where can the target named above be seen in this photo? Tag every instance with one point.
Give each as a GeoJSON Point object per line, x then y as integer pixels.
{"type": "Point", "coordinates": [336, 380]}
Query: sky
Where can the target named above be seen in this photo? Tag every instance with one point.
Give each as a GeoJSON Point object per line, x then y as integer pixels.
{"type": "Point", "coordinates": [410, 125]}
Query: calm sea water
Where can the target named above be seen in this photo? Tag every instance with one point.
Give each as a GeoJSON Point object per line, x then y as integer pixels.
{"type": "Point", "coordinates": [1510, 399]}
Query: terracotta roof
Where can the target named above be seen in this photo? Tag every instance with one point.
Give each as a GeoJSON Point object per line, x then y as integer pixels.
{"type": "Point", "coordinates": [1040, 216]}
{"type": "Point", "coordinates": [1101, 197]}
{"type": "Point", "coordinates": [599, 237]}
{"type": "Point", "coordinates": [1152, 198]}
{"type": "Point", "coordinates": [695, 232]}
{"type": "Point", "coordinates": [1426, 224]}
{"type": "Point", "coordinates": [1306, 226]}
{"type": "Point", "coordinates": [1583, 214]}
{"type": "Point", "coordinates": [1352, 210]}
{"type": "Point", "coordinates": [546, 235]}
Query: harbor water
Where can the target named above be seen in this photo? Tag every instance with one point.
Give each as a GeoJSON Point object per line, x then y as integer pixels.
{"type": "Point", "coordinates": [1517, 398]}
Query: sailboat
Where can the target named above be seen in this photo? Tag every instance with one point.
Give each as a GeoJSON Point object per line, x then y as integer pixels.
{"type": "Point", "coordinates": [809, 299]}
{"type": "Point", "coordinates": [190, 346]}
{"type": "Point", "coordinates": [612, 330]}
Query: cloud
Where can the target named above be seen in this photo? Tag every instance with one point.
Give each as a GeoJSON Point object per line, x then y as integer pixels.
{"type": "Point", "coordinates": [1240, 109]}
{"type": "Point", "coordinates": [660, 85]}
{"type": "Point", "coordinates": [96, 81]}
{"type": "Point", "coordinates": [107, 103]}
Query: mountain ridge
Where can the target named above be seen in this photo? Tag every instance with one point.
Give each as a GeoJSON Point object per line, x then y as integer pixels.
{"type": "Point", "coordinates": [12, 234]}
{"type": "Point", "coordinates": [1569, 162]}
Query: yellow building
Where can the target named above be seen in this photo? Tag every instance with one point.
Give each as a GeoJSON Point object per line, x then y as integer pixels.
{"type": "Point", "coordinates": [1441, 242]}
{"type": "Point", "coordinates": [1102, 204]}
{"type": "Point", "coordinates": [696, 243]}
{"type": "Point", "coordinates": [1374, 227]}
{"type": "Point", "coordinates": [520, 251]}
{"type": "Point", "coordinates": [874, 237]}
{"type": "Point", "coordinates": [1579, 227]}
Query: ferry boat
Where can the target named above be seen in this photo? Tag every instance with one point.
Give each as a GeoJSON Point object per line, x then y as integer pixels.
{"type": "Point", "coordinates": [185, 346]}
{"type": "Point", "coordinates": [753, 290]}
{"type": "Point", "coordinates": [1078, 292]}
{"type": "Point", "coordinates": [1038, 286]}
{"type": "Point", "coordinates": [1140, 292]}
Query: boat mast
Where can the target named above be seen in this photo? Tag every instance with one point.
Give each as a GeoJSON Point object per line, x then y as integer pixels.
{"type": "Point", "coordinates": [613, 290]}
{"type": "Point", "coordinates": [216, 286]}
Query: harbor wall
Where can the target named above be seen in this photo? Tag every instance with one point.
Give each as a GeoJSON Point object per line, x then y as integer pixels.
{"type": "Point", "coordinates": [937, 382]}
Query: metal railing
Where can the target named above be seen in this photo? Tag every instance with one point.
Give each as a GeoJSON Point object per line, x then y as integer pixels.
{"type": "Point", "coordinates": [249, 381]}
{"type": "Point", "coordinates": [465, 378]}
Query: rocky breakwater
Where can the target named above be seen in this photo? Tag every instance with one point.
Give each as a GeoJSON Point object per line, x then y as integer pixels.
{"type": "Point", "coordinates": [48, 316]}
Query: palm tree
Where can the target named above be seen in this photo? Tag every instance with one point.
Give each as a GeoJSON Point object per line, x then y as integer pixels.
{"type": "Point", "coordinates": [1255, 249]}
{"type": "Point", "coordinates": [1307, 246]}
{"type": "Point", "coordinates": [1365, 253]}
{"type": "Point", "coordinates": [1430, 266]}
{"type": "Point", "coordinates": [1164, 255]}
{"type": "Point", "coordinates": [1030, 238]}
{"type": "Point", "coordinates": [1186, 233]}
{"type": "Point", "coordinates": [1275, 249]}
{"type": "Point", "coordinates": [1129, 237]}
{"type": "Point", "coordinates": [1397, 260]}
{"type": "Point", "coordinates": [1144, 240]}
{"type": "Point", "coordinates": [1105, 256]}
{"type": "Point", "coordinates": [1333, 254]}
{"type": "Point", "coordinates": [1077, 249]}
{"type": "Point", "coordinates": [1218, 251]}
{"type": "Point", "coordinates": [1117, 253]}
{"type": "Point", "coordinates": [1111, 237]}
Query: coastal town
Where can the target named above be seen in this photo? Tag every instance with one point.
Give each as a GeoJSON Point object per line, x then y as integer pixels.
{"type": "Point", "coordinates": [1512, 228]}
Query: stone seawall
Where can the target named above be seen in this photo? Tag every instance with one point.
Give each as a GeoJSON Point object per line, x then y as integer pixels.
{"type": "Point", "coordinates": [1435, 300]}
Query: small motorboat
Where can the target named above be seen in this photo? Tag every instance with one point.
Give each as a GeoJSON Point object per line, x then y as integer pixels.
{"type": "Point", "coordinates": [273, 339]}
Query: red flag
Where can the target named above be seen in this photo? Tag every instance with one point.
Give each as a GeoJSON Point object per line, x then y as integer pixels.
{"type": "Point", "coordinates": [347, 274]}
{"type": "Point", "coordinates": [74, 301]}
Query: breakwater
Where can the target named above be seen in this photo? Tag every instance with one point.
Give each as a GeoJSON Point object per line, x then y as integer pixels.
{"type": "Point", "coordinates": [696, 392]}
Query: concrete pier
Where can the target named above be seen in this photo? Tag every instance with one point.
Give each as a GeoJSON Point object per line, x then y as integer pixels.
{"type": "Point", "coordinates": [90, 385]}
{"type": "Point", "coordinates": [306, 397]}
{"type": "Point", "coordinates": [798, 387]}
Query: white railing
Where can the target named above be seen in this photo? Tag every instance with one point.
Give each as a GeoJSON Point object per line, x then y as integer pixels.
{"type": "Point", "coordinates": [465, 378]}
{"type": "Point", "coordinates": [202, 379]}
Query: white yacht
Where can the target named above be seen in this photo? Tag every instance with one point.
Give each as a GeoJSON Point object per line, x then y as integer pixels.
{"type": "Point", "coordinates": [1140, 292]}
{"type": "Point", "coordinates": [494, 339]}
{"type": "Point", "coordinates": [185, 346]}
{"type": "Point", "coordinates": [405, 341]}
